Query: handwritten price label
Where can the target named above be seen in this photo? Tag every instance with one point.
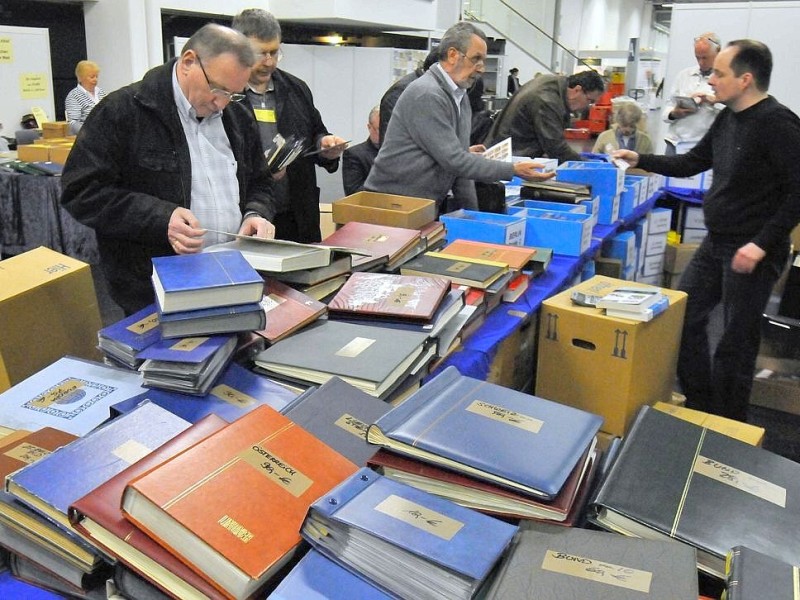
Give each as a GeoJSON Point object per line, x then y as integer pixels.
{"type": "Point", "coordinates": [740, 480]}
{"type": "Point", "coordinates": [597, 570]}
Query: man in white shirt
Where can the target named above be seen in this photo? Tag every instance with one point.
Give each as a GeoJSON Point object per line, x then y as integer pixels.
{"type": "Point", "coordinates": [687, 124]}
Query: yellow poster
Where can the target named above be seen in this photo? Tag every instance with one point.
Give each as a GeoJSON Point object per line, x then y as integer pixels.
{"type": "Point", "coordinates": [33, 85]}
{"type": "Point", "coordinates": [6, 50]}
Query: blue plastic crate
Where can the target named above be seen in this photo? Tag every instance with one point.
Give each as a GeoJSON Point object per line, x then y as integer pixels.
{"type": "Point", "coordinates": [484, 227]}
{"type": "Point", "coordinates": [580, 209]}
{"type": "Point", "coordinates": [566, 233]}
{"type": "Point", "coordinates": [606, 181]}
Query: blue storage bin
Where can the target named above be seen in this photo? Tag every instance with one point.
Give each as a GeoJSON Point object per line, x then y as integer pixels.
{"type": "Point", "coordinates": [606, 181]}
{"type": "Point", "coordinates": [564, 232]}
{"type": "Point", "coordinates": [484, 227]}
{"type": "Point", "coordinates": [580, 209]}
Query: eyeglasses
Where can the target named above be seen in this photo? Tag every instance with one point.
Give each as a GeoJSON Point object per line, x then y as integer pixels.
{"type": "Point", "coordinates": [224, 94]}
{"type": "Point", "coordinates": [275, 55]}
{"type": "Point", "coordinates": [478, 61]}
{"type": "Point", "coordinates": [711, 41]}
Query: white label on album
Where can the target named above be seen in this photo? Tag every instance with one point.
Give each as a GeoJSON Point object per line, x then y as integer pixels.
{"type": "Point", "coordinates": [419, 516]}
{"type": "Point", "coordinates": [131, 451]}
{"type": "Point", "coordinates": [232, 396]}
{"type": "Point", "coordinates": [352, 425]}
{"type": "Point", "coordinates": [740, 480]}
{"type": "Point", "coordinates": [597, 570]}
{"type": "Point", "coordinates": [510, 417]}
{"type": "Point", "coordinates": [270, 302]}
{"type": "Point", "coordinates": [355, 347]}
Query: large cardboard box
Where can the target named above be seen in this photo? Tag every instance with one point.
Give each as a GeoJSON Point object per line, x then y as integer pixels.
{"type": "Point", "coordinates": [514, 364]}
{"type": "Point", "coordinates": [384, 209]}
{"type": "Point", "coordinates": [677, 256]}
{"type": "Point", "coordinates": [34, 152]}
{"type": "Point", "coordinates": [48, 308]}
{"type": "Point", "coordinates": [749, 434]}
{"type": "Point", "coordinates": [606, 365]}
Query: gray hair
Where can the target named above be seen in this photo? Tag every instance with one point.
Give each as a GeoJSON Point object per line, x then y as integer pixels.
{"type": "Point", "coordinates": [628, 114]}
{"type": "Point", "coordinates": [376, 110]}
{"type": "Point", "coordinates": [459, 37]}
{"type": "Point", "coordinates": [257, 23]}
{"type": "Point", "coordinates": [212, 40]}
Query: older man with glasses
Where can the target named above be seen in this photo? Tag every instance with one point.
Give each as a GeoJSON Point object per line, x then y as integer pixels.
{"type": "Point", "coordinates": [283, 104]}
{"type": "Point", "coordinates": [161, 161]}
{"type": "Point", "coordinates": [426, 149]}
{"type": "Point", "coordinates": [691, 106]}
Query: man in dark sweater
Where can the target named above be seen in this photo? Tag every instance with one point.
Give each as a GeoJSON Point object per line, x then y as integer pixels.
{"type": "Point", "coordinates": [753, 204]}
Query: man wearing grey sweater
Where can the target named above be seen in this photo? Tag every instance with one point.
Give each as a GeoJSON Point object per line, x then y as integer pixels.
{"type": "Point", "coordinates": [426, 150]}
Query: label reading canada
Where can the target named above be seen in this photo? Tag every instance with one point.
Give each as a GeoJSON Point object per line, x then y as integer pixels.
{"type": "Point", "coordinates": [188, 344]}
{"type": "Point", "coordinates": [596, 570]}
{"type": "Point", "coordinates": [740, 480]}
{"type": "Point", "coordinates": [149, 323]}
{"type": "Point", "coordinates": [26, 453]}
{"type": "Point", "coordinates": [276, 470]}
{"type": "Point", "coordinates": [352, 425]}
{"type": "Point", "coordinates": [355, 347]}
{"type": "Point", "coordinates": [227, 394]}
{"type": "Point", "coordinates": [510, 417]}
{"type": "Point", "coordinates": [419, 516]}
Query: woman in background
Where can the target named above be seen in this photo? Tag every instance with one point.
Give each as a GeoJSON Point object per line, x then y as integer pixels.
{"type": "Point", "coordinates": [625, 134]}
{"type": "Point", "coordinates": [81, 100]}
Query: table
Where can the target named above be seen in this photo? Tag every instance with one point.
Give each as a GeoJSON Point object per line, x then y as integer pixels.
{"type": "Point", "coordinates": [477, 352]}
{"type": "Point", "coordinates": [31, 216]}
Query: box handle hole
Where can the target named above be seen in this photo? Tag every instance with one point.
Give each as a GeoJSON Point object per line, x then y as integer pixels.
{"type": "Point", "coordinates": [584, 344]}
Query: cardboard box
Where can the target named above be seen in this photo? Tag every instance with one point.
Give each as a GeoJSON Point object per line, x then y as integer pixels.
{"type": "Point", "coordinates": [55, 129]}
{"type": "Point", "coordinates": [656, 243]}
{"type": "Point", "coordinates": [59, 154]}
{"type": "Point", "coordinates": [692, 218]}
{"type": "Point", "coordinates": [677, 257]}
{"type": "Point", "coordinates": [653, 265]}
{"type": "Point", "coordinates": [671, 280]}
{"type": "Point", "coordinates": [604, 365]}
{"type": "Point", "coordinates": [326, 224]}
{"type": "Point", "coordinates": [484, 227]}
{"type": "Point", "coordinates": [33, 152]}
{"type": "Point", "coordinates": [693, 236]}
{"type": "Point", "coordinates": [514, 364]}
{"type": "Point", "coordinates": [776, 391]}
{"type": "Point", "coordinates": [609, 267]}
{"type": "Point", "coordinates": [749, 434]}
{"type": "Point", "coordinates": [659, 220]}
{"type": "Point", "coordinates": [384, 209]}
{"type": "Point", "coordinates": [566, 233]}
{"type": "Point", "coordinates": [48, 309]}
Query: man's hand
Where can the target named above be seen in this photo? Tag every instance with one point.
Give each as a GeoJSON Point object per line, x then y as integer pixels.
{"type": "Point", "coordinates": [629, 156]}
{"type": "Point", "coordinates": [747, 258]}
{"type": "Point", "coordinates": [278, 175]}
{"type": "Point", "coordinates": [679, 113]}
{"type": "Point", "coordinates": [477, 149]}
{"type": "Point", "coordinates": [184, 232]}
{"type": "Point", "coordinates": [336, 145]}
{"type": "Point", "coordinates": [257, 227]}
{"type": "Point", "coordinates": [705, 98]}
{"type": "Point", "coordinates": [528, 170]}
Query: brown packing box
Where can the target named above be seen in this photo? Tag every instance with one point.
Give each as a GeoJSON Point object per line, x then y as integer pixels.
{"type": "Point", "coordinates": [59, 154]}
{"type": "Point", "coordinates": [33, 152]}
{"type": "Point", "coordinates": [677, 257]}
{"type": "Point", "coordinates": [326, 224]}
{"type": "Point", "coordinates": [384, 209]}
{"type": "Point", "coordinates": [55, 129]}
{"type": "Point", "coordinates": [606, 365]}
{"type": "Point", "coordinates": [777, 391]}
{"type": "Point", "coordinates": [514, 364]}
{"type": "Point", "coordinates": [749, 434]}
{"type": "Point", "coordinates": [48, 309]}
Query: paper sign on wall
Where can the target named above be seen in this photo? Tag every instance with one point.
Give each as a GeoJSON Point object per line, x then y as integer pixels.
{"type": "Point", "coordinates": [33, 85]}
{"type": "Point", "coordinates": [6, 50]}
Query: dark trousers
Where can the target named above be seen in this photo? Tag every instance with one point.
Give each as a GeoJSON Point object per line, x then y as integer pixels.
{"type": "Point", "coordinates": [721, 384]}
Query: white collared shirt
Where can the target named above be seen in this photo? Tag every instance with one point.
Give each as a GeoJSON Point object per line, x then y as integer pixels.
{"type": "Point", "coordinates": [458, 93]}
{"type": "Point", "coordinates": [215, 188]}
{"type": "Point", "coordinates": [692, 127]}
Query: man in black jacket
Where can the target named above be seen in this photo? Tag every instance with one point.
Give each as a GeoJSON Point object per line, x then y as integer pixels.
{"type": "Point", "coordinates": [130, 174]}
{"type": "Point", "coordinates": [752, 206]}
{"type": "Point", "coordinates": [357, 160]}
{"type": "Point", "coordinates": [283, 104]}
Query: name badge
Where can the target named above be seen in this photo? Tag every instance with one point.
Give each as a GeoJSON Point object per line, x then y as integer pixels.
{"type": "Point", "coordinates": [265, 115]}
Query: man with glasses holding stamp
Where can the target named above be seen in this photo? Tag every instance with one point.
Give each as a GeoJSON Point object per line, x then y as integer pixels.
{"type": "Point", "coordinates": [691, 107]}
{"type": "Point", "coordinates": [426, 149]}
{"type": "Point", "coordinates": [283, 104]}
{"type": "Point", "coordinates": [536, 116]}
{"type": "Point", "coordinates": [161, 161]}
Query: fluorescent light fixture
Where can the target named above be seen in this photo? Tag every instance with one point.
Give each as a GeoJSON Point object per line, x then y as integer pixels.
{"type": "Point", "coordinates": [334, 40]}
